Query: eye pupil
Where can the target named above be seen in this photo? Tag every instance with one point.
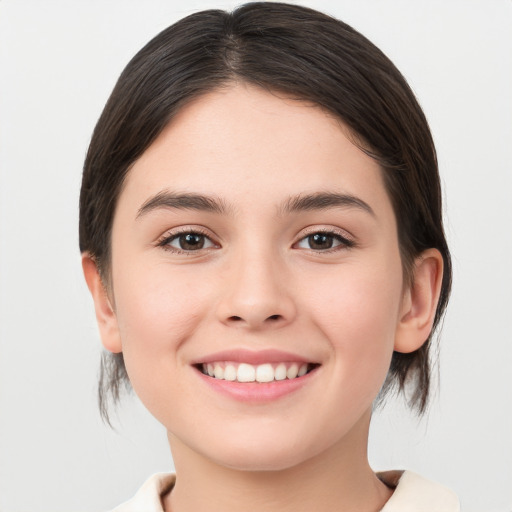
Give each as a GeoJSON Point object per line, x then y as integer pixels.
{"type": "Point", "coordinates": [191, 241]}
{"type": "Point", "coordinates": [320, 241]}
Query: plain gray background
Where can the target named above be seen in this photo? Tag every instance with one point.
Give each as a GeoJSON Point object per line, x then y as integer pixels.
{"type": "Point", "coordinates": [58, 62]}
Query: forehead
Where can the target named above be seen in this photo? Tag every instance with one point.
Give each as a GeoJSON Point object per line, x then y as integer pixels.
{"type": "Point", "coordinates": [242, 141]}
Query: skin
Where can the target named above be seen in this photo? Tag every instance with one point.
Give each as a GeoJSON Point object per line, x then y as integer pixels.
{"type": "Point", "coordinates": [258, 284]}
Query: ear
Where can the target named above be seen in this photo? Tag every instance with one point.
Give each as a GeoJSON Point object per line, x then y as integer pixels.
{"type": "Point", "coordinates": [105, 314]}
{"type": "Point", "coordinates": [420, 302]}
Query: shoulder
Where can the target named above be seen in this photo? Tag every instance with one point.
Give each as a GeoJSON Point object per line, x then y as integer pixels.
{"type": "Point", "coordinates": [414, 493]}
{"type": "Point", "coordinates": [149, 496]}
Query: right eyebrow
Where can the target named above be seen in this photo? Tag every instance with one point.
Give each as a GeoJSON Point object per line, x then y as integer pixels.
{"type": "Point", "coordinates": [182, 201]}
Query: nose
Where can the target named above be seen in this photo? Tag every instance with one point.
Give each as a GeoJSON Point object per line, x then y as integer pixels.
{"type": "Point", "coordinates": [256, 293]}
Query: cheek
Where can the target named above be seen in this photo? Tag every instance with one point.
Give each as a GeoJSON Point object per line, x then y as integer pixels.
{"type": "Point", "coordinates": [156, 312]}
{"type": "Point", "coordinates": [358, 313]}
{"type": "Point", "coordinates": [151, 306]}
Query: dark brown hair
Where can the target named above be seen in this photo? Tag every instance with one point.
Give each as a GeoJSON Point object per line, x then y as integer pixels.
{"type": "Point", "coordinates": [302, 53]}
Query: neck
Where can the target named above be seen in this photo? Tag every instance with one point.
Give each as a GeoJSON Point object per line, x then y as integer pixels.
{"type": "Point", "coordinates": [338, 479]}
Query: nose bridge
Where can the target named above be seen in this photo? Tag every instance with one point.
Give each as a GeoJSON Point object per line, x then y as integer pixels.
{"type": "Point", "coordinates": [256, 293]}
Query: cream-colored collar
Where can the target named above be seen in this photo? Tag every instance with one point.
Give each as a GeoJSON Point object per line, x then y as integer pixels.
{"type": "Point", "coordinates": [412, 493]}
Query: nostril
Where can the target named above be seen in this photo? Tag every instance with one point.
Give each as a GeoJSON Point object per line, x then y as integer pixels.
{"type": "Point", "coordinates": [242, 319]}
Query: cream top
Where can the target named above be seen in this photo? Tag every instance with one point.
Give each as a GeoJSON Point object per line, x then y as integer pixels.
{"type": "Point", "coordinates": [413, 493]}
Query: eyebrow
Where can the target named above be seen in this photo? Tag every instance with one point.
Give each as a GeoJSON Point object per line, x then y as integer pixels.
{"type": "Point", "coordinates": [185, 201]}
{"type": "Point", "coordinates": [301, 202]}
{"type": "Point", "coordinates": [325, 201]}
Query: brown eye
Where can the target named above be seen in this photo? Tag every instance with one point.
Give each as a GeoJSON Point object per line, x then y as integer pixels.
{"type": "Point", "coordinates": [191, 241]}
{"type": "Point", "coordinates": [320, 241]}
{"type": "Point", "coordinates": [323, 241]}
{"type": "Point", "coordinates": [188, 242]}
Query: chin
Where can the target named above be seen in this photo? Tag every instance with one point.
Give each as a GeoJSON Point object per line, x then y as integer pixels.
{"type": "Point", "coordinates": [263, 456]}
{"type": "Point", "coordinates": [261, 462]}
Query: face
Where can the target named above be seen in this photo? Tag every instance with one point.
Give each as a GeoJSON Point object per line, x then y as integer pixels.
{"type": "Point", "coordinates": [256, 280]}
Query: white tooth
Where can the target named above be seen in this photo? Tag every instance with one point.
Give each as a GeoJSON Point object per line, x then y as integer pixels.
{"type": "Point", "coordinates": [210, 369]}
{"type": "Point", "coordinates": [245, 373]}
{"type": "Point", "coordinates": [303, 370]}
{"type": "Point", "coordinates": [280, 372]}
{"type": "Point", "coordinates": [219, 371]}
{"type": "Point", "coordinates": [265, 373]}
{"type": "Point", "coordinates": [292, 372]}
{"type": "Point", "coordinates": [230, 372]}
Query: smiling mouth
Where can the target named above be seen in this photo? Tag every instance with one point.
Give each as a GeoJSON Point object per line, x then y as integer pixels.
{"type": "Point", "coordinates": [262, 373]}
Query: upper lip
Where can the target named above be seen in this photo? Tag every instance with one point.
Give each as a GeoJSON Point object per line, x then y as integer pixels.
{"type": "Point", "coordinates": [253, 357]}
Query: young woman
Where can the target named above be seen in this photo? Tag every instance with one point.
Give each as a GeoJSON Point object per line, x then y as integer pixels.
{"type": "Point", "coordinates": [261, 230]}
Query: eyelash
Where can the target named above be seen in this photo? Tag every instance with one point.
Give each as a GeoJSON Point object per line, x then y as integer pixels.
{"type": "Point", "coordinates": [165, 241]}
{"type": "Point", "coordinates": [344, 242]}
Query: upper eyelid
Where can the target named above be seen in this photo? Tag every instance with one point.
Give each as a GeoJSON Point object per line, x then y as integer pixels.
{"type": "Point", "coordinates": [180, 230]}
{"type": "Point", "coordinates": [311, 230]}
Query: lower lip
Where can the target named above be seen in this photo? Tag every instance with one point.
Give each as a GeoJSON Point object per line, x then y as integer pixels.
{"type": "Point", "coordinates": [258, 392]}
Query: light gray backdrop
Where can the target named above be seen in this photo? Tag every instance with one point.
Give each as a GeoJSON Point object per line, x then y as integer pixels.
{"type": "Point", "coordinates": [58, 62]}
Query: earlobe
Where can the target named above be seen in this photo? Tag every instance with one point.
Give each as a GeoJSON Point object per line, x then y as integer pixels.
{"type": "Point", "coordinates": [105, 314]}
{"type": "Point", "coordinates": [420, 302]}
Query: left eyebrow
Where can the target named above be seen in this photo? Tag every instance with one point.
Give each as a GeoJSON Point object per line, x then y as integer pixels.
{"type": "Point", "coordinates": [185, 201]}
{"type": "Point", "coordinates": [324, 201]}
